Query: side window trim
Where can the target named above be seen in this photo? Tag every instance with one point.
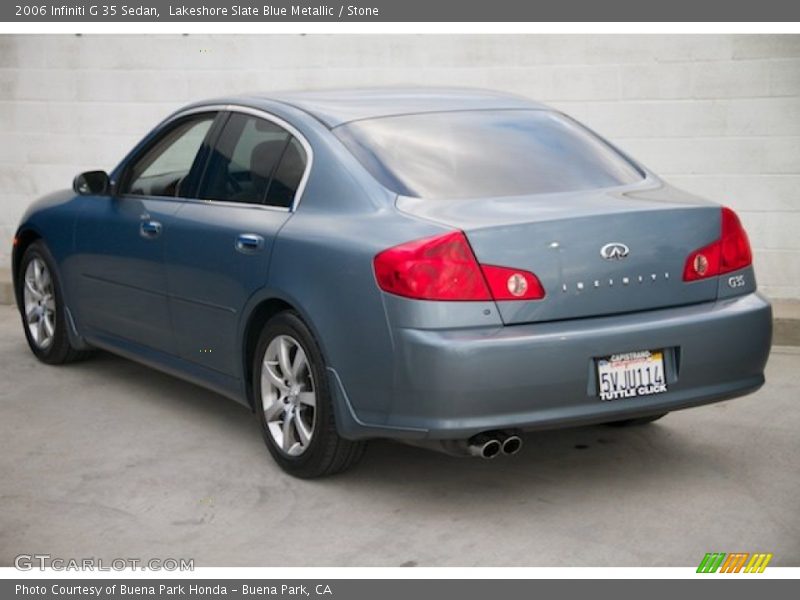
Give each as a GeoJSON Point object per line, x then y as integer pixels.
{"type": "Point", "coordinates": [294, 132]}
{"type": "Point", "coordinates": [291, 134]}
{"type": "Point", "coordinates": [224, 110]}
{"type": "Point", "coordinates": [203, 180]}
{"type": "Point", "coordinates": [201, 157]}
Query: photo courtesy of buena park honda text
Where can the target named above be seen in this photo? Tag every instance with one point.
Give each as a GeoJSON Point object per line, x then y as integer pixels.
{"type": "Point", "coordinates": [445, 299]}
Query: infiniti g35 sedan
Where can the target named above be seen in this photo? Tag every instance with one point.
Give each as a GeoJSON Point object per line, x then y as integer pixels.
{"type": "Point", "coordinates": [447, 268]}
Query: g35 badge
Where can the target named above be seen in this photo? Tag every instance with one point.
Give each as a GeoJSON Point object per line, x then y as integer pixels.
{"type": "Point", "coordinates": [736, 281]}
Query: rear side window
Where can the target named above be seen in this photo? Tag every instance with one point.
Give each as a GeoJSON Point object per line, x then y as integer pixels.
{"type": "Point", "coordinates": [286, 179]}
{"type": "Point", "coordinates": [468, 154]}
{"type": "Point", "coordinates": [250, 162]}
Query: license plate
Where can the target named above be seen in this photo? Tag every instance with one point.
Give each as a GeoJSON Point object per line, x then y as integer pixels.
{"type": "Point", "coordinates": [631, 374]}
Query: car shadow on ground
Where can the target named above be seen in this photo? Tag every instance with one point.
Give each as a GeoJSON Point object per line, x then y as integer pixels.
{"type": "Point", "coordinates": [147, 456]}
{"type": "Point", "coordinates": [558, 457]}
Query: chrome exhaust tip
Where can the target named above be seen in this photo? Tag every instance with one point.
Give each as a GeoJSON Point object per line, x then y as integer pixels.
{"type": "Point", "coordinates": [485, 446]}
{"type": "Point", "coordinates": [512, 444]}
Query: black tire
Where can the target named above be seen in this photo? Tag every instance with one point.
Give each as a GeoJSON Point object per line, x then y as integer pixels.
{"type": "Point", "coordinates": [327, 453]}
{"type": "Point", "coordinates": [59, 351]}
{"type": "Point", "coordinates": [636, 421]}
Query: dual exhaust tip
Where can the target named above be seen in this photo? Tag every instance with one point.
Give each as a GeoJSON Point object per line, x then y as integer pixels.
{"type": "Point", "coordinates": [491, 444]}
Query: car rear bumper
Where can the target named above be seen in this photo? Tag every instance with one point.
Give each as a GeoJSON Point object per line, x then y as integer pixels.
{"type": "Point", "coordinates": [452, 384]}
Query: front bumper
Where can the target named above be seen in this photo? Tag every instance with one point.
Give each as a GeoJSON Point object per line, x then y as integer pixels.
{"type": "Point", "coordinates": [452, 384]}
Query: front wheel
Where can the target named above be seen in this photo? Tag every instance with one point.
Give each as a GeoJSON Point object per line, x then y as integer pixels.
{"type": "Point", "coordinates": [42, 308]}
{"type": "Point", "coordinates": [293, 402]}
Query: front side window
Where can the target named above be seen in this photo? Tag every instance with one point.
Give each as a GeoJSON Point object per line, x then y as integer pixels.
{"type": "Point", "coordinates": [254, 161]}
{"type": "Point", "coordinates": [164, 168]}
{"type": "Point", "coordinates": [469, 154]}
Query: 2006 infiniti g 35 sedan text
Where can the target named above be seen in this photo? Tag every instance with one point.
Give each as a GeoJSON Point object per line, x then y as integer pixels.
{"type": "Point", "coordinates": [443, 267]}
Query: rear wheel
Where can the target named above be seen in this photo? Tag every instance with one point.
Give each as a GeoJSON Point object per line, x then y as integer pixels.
{"type": "Point", "coordinates": [293, 402]}
{"type": "Point", "coordinates": [42, 308]}
{"type": "Point", "coordinates": [636, 421]}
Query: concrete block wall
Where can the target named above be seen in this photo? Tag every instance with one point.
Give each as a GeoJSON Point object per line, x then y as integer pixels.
{"type": "Point", "coordinates": [718, 115]}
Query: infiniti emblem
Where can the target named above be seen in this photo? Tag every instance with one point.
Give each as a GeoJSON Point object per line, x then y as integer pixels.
{"type": "Point", "coordinates": [614, 251]}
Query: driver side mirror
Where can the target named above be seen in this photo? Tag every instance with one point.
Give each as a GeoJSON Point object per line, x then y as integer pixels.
{"type": "Point", "coordinates": [91, 183]}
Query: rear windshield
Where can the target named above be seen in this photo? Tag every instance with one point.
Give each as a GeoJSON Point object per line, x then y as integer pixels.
{"type": "Point", "coordinates": [468, 154]}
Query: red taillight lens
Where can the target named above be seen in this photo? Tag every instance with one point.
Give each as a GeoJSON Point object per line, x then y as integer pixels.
{"type": "Point", "coordinates": [438, 268]}
{"type": "Point", "coordinates": [444, 268]}
{"type": "Point", "coordinates": [730, 252]}
{"type": "Point", "coordinates": [735, 252]}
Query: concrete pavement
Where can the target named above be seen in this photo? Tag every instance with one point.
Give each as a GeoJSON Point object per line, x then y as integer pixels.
{"type": "Point", "coordinates": [110, 459]}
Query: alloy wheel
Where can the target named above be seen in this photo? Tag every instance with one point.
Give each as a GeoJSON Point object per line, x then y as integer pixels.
{"type": "Point", "coordinates": [40, 303]}
{"type": "Point", "coordinates": [288, 395]}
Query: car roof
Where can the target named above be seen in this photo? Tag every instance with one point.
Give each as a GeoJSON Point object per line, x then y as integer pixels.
{"type": "Point", "coordinates": [335, 107]}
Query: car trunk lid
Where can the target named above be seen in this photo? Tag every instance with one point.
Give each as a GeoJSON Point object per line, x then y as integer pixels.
{"type": "Point", "coordinates": [596, 253]}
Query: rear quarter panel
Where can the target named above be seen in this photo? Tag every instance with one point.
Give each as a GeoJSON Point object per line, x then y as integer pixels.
{"type": "Point", "coordinates": [322, 265]}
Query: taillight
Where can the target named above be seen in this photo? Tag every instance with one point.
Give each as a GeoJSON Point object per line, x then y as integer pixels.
{"type": "Point", "coordinates": [735, 252]}
{"type": "Point", "coordinates": [730, 252]}
{"type": "Point", "coordinates": [702, 263]}
{"type": "Point", "coordinates": [445, 268]}
{"type": "Point", "coordinates": [512, 284]}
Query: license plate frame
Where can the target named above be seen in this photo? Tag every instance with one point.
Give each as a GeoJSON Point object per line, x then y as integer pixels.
{"type": "Point", "coordinates": [629, 375]}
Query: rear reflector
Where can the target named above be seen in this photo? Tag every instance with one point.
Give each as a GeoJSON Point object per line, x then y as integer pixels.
{"type": "Point", "coordinates": [512, 284]}
{"type": "Point", "coordinates": [445, 268]}
{"type": "Point", "coordinates": [730, 252]}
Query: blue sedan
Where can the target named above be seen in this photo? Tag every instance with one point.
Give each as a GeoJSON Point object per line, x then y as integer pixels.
{"type": "Point", "coordinates": [448, 268]}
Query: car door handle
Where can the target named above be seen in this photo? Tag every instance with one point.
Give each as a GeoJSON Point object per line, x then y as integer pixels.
{"type": "Point", "coordinates": [248, 243]}
{"type": "Point", "coordinates": [150, 229]}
